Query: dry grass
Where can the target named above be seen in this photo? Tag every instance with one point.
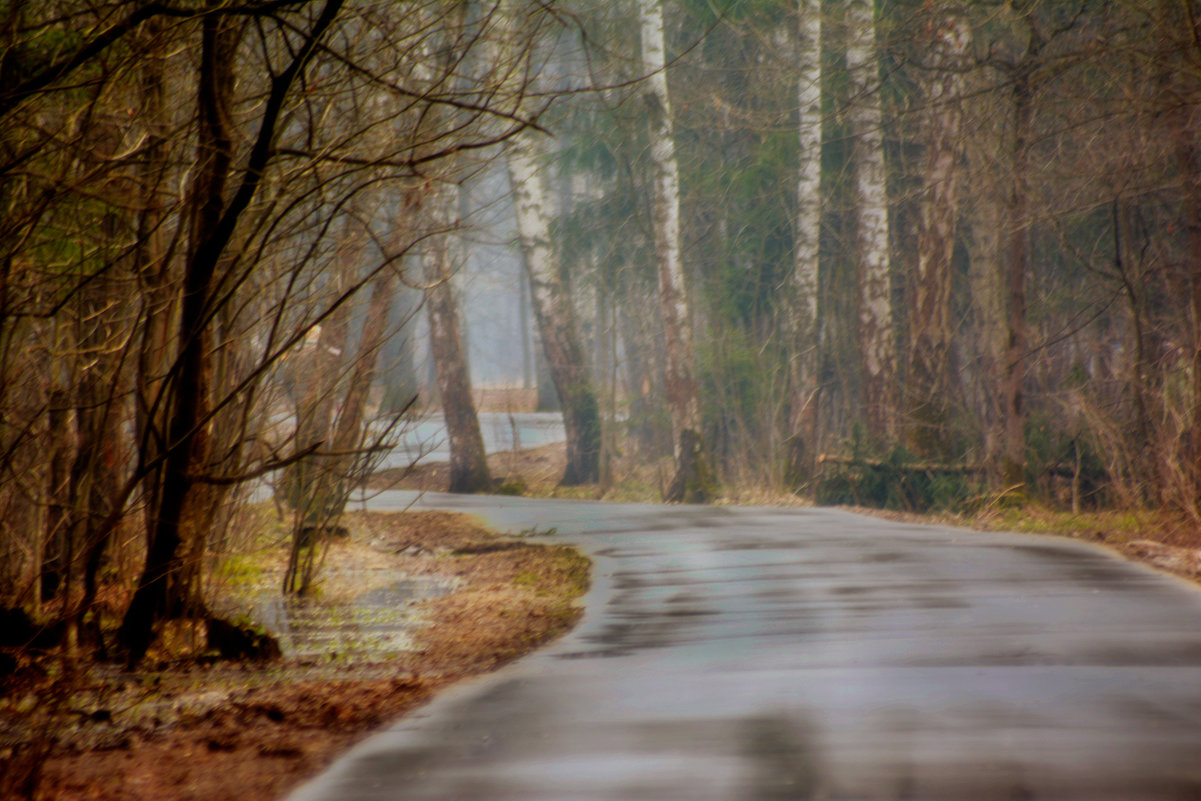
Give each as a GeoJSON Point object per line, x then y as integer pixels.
{"type": "Point", "coordinates": [248, 732]}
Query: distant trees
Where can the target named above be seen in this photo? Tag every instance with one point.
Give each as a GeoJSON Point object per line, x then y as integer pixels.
{"type": "Point", "coordinates": [955, 306]}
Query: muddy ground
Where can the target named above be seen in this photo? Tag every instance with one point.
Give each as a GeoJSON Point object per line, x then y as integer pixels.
{"type": "Point", "coordinates": [250, 732]}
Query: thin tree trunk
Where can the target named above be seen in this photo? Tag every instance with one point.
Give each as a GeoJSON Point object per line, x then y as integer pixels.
{"type": "Point", "coordinates": [1140, 382]}
{"type": "Point", "coordinates": [1018, 255]}
{"type": "Point", "coordinates": [1188, 162]}
{"type": "Point", "coordinates": [866, 119]}
{"type": "Point", "coordinates": [152, 269]}
{"type": "Point", "coordinates": [527, 355]}
{"type": "Point", "coordinates": [693, 481]}
{"type": "Point", "coordinates": [930, 326]}
{"type": "Point", "coordinates": [349, 432]}
{"type": "Point", "coordinates": [985, 208]}
{"type": "Point", "coordinates": [63, 442]}
{"type": "Point", "coordinates": [468, 462]}
{"type": "Point", "coordinates": [554, 312]}
{"type": "Point", "coordinates": [307, 481]}
{"type": "Point", "coordinates": [802, 313]}
{"type": "Point", "coordinates": [95, 475]}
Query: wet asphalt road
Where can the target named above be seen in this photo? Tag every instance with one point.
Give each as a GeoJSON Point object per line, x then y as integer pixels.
{"type": "Point", "coordinates": [743, 653]}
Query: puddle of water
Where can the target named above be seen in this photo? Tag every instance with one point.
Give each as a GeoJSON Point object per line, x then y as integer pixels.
{"type": "Point", "coordinates": [377, 622]}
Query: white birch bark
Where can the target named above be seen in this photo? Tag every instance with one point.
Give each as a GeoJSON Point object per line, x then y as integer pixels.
{"type": "Point", "coordinates": [692, 481]}
{"type": "Point", "coordinates": [553, 309]}
{"type": "Point", "coordinates": [803, 307]}
{"type": "Point", "coordinates": [866, 120]}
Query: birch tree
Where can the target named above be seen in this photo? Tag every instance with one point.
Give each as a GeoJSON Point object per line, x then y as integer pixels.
{"type": "Point", "coordinates": [693, 481]}
{"type": "Point", "coordinates": [802, 312]}
{"type": "Point", "coordinates": [553, 307]}
{"type": "Point", "coordinates": [929, 387]}
{"type": "Point", "coordinates": [866, 122]}
{"type": "Point", "coordinates": [555, 314]}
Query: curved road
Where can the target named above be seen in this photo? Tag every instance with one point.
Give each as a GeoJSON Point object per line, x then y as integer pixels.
{"type": "Point", "coordinates": [752, 653]}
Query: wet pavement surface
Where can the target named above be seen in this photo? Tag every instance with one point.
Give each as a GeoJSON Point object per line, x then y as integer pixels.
{"type": "Point", "coordinates": [750, 653]}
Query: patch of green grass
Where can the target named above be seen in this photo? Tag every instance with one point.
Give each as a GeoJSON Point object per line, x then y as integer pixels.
{"type": "Point", "coordinates": [528, 579]}
{"type": "Point", "coordinates": [580, 492]}
{"type": "Point", "coordinates": [576, 573]}
{"type": "Point", "coordinates": [242, 570]}
{"type": "Point", "coordinates": [514, 486]}
{"type": "Point", "coordinates": [1117, 525]}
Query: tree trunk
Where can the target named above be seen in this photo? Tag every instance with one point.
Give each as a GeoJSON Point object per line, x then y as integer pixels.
{"type": "Point", "coordinates": [1013, 469]}
{"type": "Point", "coordinates": [866, 120]}
{"type": "Point", "coordinates": [930, 326]}
{"type": "Point", "coordinates": [468, 462]}
{"type": "Point", "coordinates": [169, 586]}
{"type": "Point", "coordinates": [399, 374]}
{"type": "Point", "coordinates": [693, 481]}
{"type": "Point", "coordinates": [350, 430]}
{"type": "Point", "coordinates": [96, 474]}
{"type": "Point", "coordinates": [1184, 132]}
{"type": "Point", "coordinates": [152, 268]}
{"type": "Point", "coordinates": [801, 314]}
{"type": "Point", "coordinates": [554, 312]}
{"type": "Point", "coordinates": [985, 208]}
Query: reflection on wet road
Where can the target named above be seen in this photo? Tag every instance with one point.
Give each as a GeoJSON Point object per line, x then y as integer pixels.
{"type": "Point", "coordinates": [813, 654]}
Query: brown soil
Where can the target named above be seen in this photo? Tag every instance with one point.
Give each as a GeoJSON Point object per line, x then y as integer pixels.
{"type": "Point", "coordinates": [251, 732]}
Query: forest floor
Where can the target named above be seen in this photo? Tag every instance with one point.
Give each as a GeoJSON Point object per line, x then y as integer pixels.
{"type": "Point", "coordinates": [224, 731]}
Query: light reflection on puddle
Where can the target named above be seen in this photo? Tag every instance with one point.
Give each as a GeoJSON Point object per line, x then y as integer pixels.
{"type": "Point", "coordinates": [378, 621]}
